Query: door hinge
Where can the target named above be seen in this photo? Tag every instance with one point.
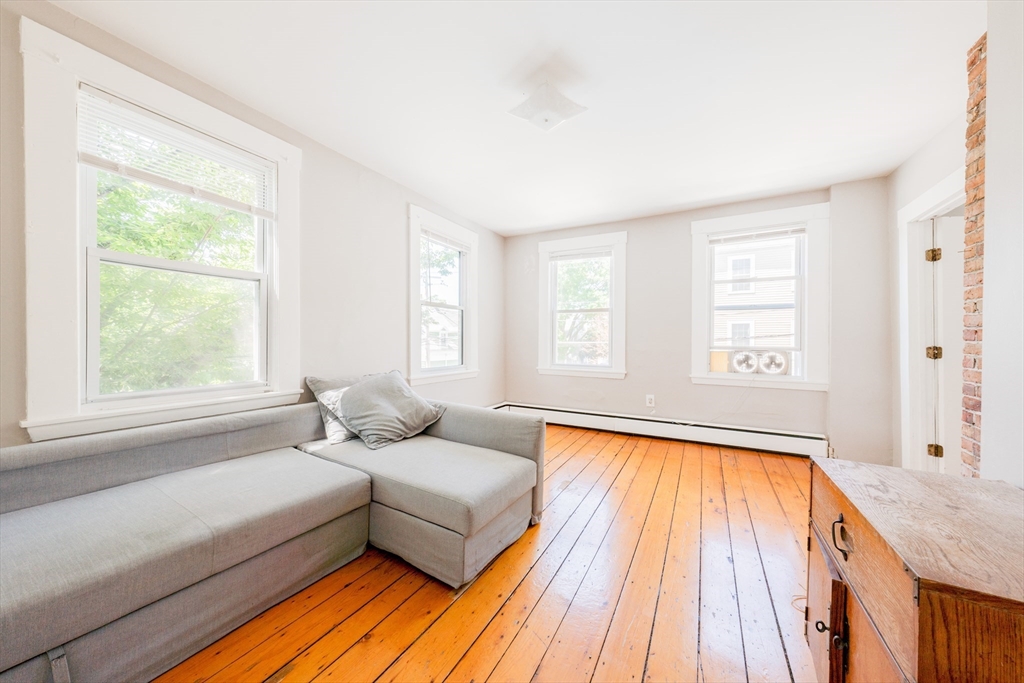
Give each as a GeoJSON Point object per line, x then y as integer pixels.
{"type": "Point", "coordinates": [935, 450]}
{"type": "Point", "coordinates": [932, 254]}
{"type": "Point", "coordinates": [806, 613]}
{"type": "Point", "coordinates": [933, 352]}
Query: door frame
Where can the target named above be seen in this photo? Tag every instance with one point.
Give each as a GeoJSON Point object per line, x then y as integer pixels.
{"type": "Point", "coordinates": [944, 196]}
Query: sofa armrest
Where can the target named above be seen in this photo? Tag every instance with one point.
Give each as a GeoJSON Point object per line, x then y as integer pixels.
{"type": "Point", "coordinates": [521, 435]}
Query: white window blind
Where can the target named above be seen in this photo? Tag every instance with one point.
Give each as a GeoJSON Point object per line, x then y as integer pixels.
{"type": "Point", "coordinates": [118, 136]}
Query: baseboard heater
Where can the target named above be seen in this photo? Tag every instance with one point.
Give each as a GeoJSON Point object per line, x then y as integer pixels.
{"type": "Point", "coordinates": [796, 443]}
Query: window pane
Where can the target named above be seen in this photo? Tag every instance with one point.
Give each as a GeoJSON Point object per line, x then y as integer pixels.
{"type": "Point", "coordinates": [773, 258]}
{"type": "Point", "coordinates": [440, 273]}
{"type": "Point", "coordinates": [582, 338]}
{"type": "Point", "coordinates": [769, 314]}
{"type": "Point", "coordinates": [162, 329]}
{"type": "Point", "coordinates": [583, 283]}
{"type": "Point", "coordinates": [441, 337]}
{"type": "Point", "coordinates": [136, 218]}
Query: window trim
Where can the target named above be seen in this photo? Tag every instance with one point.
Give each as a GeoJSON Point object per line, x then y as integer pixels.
{"type": "Point", "coordinates": [614, 242]}
{"type": "Point", "coordinates": [420, 221]}
{"type": "Point", "coordinates": [815, 312]}
{"type": "Point", "coordinates": [55, 256]}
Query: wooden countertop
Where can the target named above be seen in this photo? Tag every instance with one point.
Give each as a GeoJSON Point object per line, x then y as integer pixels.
{"type": "Point", "coordinates": [957, 535]}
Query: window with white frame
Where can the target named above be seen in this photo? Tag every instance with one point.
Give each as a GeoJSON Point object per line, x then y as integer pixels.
{"type": "Point", "coordinates": [442, 325]}
{"type": "Point", "coordinates": [769, 326]}
{"type": "Point", "coordinates": [582, 306]}
{"type": "Point", "coordinates": [162, 268]}
{"type": "Point", "coordinates": [174, 225]}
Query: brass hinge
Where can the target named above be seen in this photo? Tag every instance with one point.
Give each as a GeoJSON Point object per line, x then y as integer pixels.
{"type": "Point", "coordinates": [933, 352]}
{"type": "Point", "coordinates": [935, 450]}
{"type": "Point", "coordinates": [932, 254]}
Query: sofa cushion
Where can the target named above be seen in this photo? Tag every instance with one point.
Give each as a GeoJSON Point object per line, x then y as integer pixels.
{"type": "Point", "coordinates": [453, 485]}
{"type": "Point", "coordinates": [383, 409]}
{"type": "Point", "coordinates": [73, 565]}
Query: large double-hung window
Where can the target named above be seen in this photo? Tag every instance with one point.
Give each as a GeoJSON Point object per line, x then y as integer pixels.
{"type": "Point", "coordinates": [583, 306]}
{"type": "Point", "coordinates": [175, 227]}
{"type": "Point", "coordinates": [761, 299]}
{"type": "Point", "coordinates": [443, 299]}
{"type": "Point", "coordinates": [161, 250]}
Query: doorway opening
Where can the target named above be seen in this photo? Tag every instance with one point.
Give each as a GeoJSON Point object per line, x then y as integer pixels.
{"type": "Point", "coordinates": [931, 328]}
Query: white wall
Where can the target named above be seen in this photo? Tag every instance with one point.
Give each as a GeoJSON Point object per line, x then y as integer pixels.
{"type": "Point", "coordinates": [943, 155]}
{"type": "Point", "coordinates": [658, 330]}
{"type": "Point", "coordinates": [354, 305]}
{"type": "Point", "coordinates": [1002, 403]}
{"type": "Point", "coordinates": [860, 386]}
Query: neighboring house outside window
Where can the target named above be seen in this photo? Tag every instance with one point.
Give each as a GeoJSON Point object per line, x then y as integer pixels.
{"type": "Point", "coordinates": [768, 327]}
{"type": "Point", "coordinates": [162, 268]}
{"type": "Point", "coordinates": [443, 339]}
{"type": "Point", "coordinates": [582, 306]}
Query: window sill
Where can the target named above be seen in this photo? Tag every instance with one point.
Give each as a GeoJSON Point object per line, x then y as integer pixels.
{"type": "Point", "coordinates": [109, 420]}
{"type": "Point", "coordinates": [760, 383]}
{"type": "Point", "coordinates": [434, 377]}
{"type": "Point", "coordinates": [573, 372]}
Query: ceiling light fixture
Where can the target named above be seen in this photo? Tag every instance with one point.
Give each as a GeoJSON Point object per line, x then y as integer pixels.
{"type": "Point", "coordinates": [546, 108]}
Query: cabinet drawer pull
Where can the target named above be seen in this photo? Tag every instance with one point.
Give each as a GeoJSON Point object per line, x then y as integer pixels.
{"type": "Point", "coordinates": [839, 643]}
{"type": "Point", "coordinates": [835, 544]}
{"type": "Point", "coordinates": [819, 626]}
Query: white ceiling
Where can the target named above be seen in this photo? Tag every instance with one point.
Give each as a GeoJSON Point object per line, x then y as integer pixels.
{"type": "Point", "coordinates": [689, 103]}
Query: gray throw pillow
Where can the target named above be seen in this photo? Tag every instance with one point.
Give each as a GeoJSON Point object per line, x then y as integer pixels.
{"type": "Point", "coordinates": [382, 409]}
{"type": "Point", "coordinates": [328, 393]}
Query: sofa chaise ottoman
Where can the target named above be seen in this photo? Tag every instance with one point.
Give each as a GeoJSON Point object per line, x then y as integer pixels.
{"type": "Point", "coordinates": [449, 500]}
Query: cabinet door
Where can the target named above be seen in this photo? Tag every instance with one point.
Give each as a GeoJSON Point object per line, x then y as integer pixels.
{"type": "Point", "coordinates": [826, 613]}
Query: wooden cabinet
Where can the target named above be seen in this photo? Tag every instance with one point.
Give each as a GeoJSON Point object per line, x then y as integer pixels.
{"type": "Point", "coordinates": [913, 576]}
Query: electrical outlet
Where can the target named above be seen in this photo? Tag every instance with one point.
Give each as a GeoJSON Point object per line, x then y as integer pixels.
{"type": "Point", "coordinates": [650, 400]}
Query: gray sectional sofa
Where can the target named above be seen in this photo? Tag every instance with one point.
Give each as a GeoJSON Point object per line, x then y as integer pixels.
{"type": "Point", "coordinates": [122, 554]}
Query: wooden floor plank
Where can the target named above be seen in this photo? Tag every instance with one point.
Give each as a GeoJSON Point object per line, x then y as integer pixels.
{"type": "Point", "coordinates": [556, 457]}
{"type": "Point", "coordinates": [624, 653]}
{"type": "Point", "coordinates": [793, 503]}
{"type": "Point", "coordinates": [483, 652]}
{"type": "Point", "coordinates": [574, 649]}
{"type": "Point", "coordinates": [435, 654]}
{"type": "Point", "coordinates": [571, 465]}
{"type": "Point", "coordinates": [801, 474]}
{"type": "Point", "coordinates": [763, 647]}
{"type": "Point", "coordinates": [376, 651]}
{"type": "Point", "coordinates": [327, 649]}
{"type": "Point", "coordinates": [269, 656]}
{"type": "Point", "coordinates": [660, 560]}
{"type": "Point", "coordinates": [209, 661]}
{"type": "Point", "coordinates": [529, 642]}
{"type": "Point", "coordinates": [785, 565]}
{"type": "Point", "coordinates": [673, 651]}
{"type": "Point", "coordinates": [554, 449]}
{"type": "Point", "coordinates": [721, 639]}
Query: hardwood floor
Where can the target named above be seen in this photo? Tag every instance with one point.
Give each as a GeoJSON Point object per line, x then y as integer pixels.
{"type": "Point", "coordinates": [656, 561]}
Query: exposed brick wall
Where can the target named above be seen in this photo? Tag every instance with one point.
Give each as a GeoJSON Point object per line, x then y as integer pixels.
{"type": "Point", "coordinates": [974, 255]}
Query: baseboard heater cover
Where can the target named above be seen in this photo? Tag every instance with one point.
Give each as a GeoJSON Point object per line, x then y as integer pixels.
{"type": "Point", "coordinates": [722, 435]}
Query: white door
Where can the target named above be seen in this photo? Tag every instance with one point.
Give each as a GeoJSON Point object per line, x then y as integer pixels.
{"type": "Point", "coordinates": [936, 320]}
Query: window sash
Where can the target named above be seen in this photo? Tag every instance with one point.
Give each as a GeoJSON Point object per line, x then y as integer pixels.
{"type": "Point", "coordinates": [425, 238]}
{"type": "Point", "coordinates": [95, 256]}
{"type": "Point", "coordinates": [576, 255]}
{"type": "Point", "coordinates": [798, 279]}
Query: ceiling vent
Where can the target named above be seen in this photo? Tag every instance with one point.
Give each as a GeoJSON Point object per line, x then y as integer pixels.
{"type": "Point", "coordinates": [546, 108]}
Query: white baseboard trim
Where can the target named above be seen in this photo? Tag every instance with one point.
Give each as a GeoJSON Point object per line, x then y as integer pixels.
{"type": "Point", "coordinates": [796, 443]}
